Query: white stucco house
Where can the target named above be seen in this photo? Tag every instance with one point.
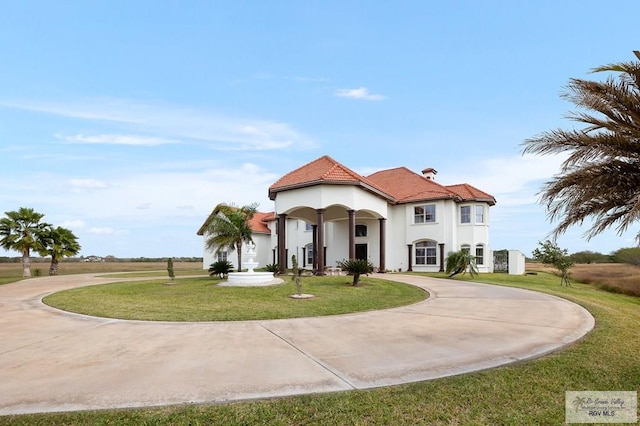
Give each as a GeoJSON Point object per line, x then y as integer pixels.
{"type": "Point", "coordinates": [398, 219]}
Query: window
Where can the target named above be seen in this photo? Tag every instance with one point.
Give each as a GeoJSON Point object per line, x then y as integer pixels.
{"type": "Point", "coordinates": [308, 226]}
{"type": "Point", "coordinates": [221, 256]}
{"type": "Point", "coordinates": [309, 254]}
{"type": "Point", "coordinates": [361, 230]}
{"type": "Point", "coordinates": [426, 253]}
{"type": "Point", "coordinates": [466, 248]}
{"type": "Point", "coordinates": [465, 214]}
{"type": "Point", "coordinates": [479, 254]}
{"type": "Point", "coordinates": [479, 214]}
{"type": "Point", "coordinates": [424, 214]}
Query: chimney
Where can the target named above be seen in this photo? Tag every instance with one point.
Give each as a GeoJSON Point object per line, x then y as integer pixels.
{"type": "Point", "coordinates": [430, 173]}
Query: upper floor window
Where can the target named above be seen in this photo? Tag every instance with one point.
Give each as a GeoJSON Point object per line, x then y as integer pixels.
{"type": "Point", "coordinates": [426, 253]}
{"type": "Point", "coordinates": [465, 214]}
{"type": "Point", "coordinates": [424, 214]}
{"type": "Point", "coordinates": [479, 214]}
{"type": "Point", "coordinates": [361, 230]}
{"type": "Point", "coordinates": [308, 226]}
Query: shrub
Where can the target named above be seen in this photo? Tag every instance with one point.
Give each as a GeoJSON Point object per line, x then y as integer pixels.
{"type": "Point", "coordinates": [356, 267]}
{"type": "Point", "coordinates": [221, 268]}
{"type": "Point", "coordinates": [272, 267]}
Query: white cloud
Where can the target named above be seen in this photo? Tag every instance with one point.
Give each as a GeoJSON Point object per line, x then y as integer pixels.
{"type": "Point", "coordinates": [106, 230]}
{"type": "Point", "coordinates": [79, 185]}
{"type": "Point", "coordinates": [217, 131]}
{"type": "Point", "coordinates": [117, 140]}
{"type": "Point", "coordinates": [73, 224]}
{"type": "Point", "coordinates": [359, 93]}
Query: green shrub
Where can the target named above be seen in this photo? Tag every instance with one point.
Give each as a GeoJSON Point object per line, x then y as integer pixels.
{"type": "Point", "coordinates": [221, 268]}
{"type": "Point", "coordinates": [356, 267]}
{"type": "Point", "coordinates": [272, 267]}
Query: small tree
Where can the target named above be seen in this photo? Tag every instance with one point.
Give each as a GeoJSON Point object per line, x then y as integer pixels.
{"type": "Point", "coordinates": [58, 243]}
{"type": "Point", "coordinates": [296, 274]}
{"type": "Point", "coordinates": [550, 253]}
{"type": "Point", "coordinates": [22, 231]}
{"type": "Point", "coordinates": [221, 268]}
{"type": "Point", "coordinates": [229, 227]}
{"type": "Point", "coordinates": [629, 255]}
{"type": "Point", "coordinates": [460, 262]}
{"type": "Point", "coordinates": [172, 275]}
{"type": "Point", "coordinates": [356, 267]}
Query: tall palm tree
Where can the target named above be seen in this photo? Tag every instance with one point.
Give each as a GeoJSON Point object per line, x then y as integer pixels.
{"type": "Point", "coordinates": [229, 227]}
{"type": "Point", "coordinates": [600, 180]}
{"type": "Point", "coordinates": [22, 231]}
{"type": "Point", "coordinates": [60, 242]}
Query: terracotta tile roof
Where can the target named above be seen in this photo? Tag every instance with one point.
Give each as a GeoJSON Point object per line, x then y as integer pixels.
{"type": "Point", "coordinates": [406, 186]}
{"type": "Point", "coordinates": [471, 193]}
{"type": "Point", "coordinates": [324, 170]}
{"type": "Point", "coordinates": [399, 185]}
{"type": "Point", "coordinates": [258, 222]}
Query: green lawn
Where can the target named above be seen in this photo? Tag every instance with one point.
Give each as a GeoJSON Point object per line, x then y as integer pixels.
{"type": "Point", "coordinates": [525, 393]}
{"type": "Point", "coordinates": [201, 299]}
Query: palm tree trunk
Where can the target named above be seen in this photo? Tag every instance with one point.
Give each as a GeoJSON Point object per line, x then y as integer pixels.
{"type": "Point", "coordinates": [53, 269]}
{"type": "Point", "coordinates": [26, 264]}
{"type": "Point", "coordinates": [239, 249]}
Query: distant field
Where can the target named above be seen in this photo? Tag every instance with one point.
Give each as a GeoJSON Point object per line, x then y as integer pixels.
{"type": "Point", "coordinates": [616, 277]}
{"type": "Point", "coordinates": [14, 270]}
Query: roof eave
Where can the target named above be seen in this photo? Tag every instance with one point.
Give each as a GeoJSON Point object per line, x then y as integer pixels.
{"type": "Point", "coordinates": [375, 191]}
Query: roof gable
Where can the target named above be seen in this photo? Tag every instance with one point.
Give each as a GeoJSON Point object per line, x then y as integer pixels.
{"type": "Point", "coordinates": [324, 170]}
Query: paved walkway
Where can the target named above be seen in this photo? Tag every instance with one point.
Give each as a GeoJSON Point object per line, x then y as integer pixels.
{"type": "Point", "coordinates": [56, 361]}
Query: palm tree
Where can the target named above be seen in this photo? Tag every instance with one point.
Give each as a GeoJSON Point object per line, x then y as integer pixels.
{"type": "Point", "coordinates": [22, 231]}
{"type": "Point", "coordinates": [229, 227]}
{"type": "Point", "coordinates": [356, 267]}
{"type": "Point", "coordinates": [600, 180]}
{"type": "Point", "coordinates": [460, 262]}
{"type": "Point", "coordinates": [60, 242]}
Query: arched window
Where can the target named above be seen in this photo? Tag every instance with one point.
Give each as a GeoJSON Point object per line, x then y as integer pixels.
{"type": "Point", "coordinates": [479, 254]}
{"type": "Point", "coordinates": [465, 247]}
{"type": "Point", "coordinates": [361, 230]}
{"type": "Point", "coordinates": [426, 253]}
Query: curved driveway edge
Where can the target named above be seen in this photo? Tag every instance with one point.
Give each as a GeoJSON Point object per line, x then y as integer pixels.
{"type": "Point", "coordinates": [54, 361]}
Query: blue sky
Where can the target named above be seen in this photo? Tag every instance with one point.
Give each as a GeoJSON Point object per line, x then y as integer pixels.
{"type": "Point", "coordinates": [128, 121]}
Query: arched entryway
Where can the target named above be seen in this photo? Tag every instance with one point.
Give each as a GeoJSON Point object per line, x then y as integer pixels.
{"type": "Point", "coordinates": [338, 234]}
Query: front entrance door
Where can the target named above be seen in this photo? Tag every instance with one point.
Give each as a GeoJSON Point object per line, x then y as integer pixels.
{"type": "Point", "coordinates": [361, 251]}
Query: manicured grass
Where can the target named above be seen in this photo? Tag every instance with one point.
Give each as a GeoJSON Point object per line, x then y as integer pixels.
{"type": "Point", "coordinates": [526, 393]}
{"type": "Point", "coordinates": [158, 273]}
{"type": "Point", "coordinates": [201, 299]}
{"type": "Point", "coordinates": [13, 271]}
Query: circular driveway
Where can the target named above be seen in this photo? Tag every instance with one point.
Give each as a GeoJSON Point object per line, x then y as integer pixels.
{"type": "Point", "coordinates": [57, 361]}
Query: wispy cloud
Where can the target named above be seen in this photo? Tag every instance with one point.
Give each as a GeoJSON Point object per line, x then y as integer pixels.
{"type": "Point", "coordinates": [359, 93]}
{"type": "Point", "coordinates": [78, 185]}
{"type": "Point", "coordinates": [106, 231]}
{"type": "Point", "coordinates": [170, 122]}
{"type": "Point", "coordinates": [117, 140]}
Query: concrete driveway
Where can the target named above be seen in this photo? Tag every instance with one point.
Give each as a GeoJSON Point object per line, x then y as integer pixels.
{"type": "Point", "coordinates": [56, 361]}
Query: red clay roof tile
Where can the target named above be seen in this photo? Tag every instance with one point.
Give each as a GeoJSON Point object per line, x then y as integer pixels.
{"type": "Point", "coordinates": [399, 185]}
